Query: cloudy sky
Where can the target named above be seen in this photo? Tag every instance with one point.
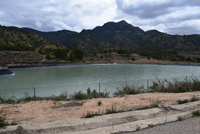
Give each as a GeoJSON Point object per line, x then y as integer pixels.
{"type": "Point", "coordinates": [170, 16]}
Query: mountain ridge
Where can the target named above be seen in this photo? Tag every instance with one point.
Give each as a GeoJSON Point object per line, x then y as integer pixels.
{"type": "Point", "coordinates": [121, 35]}
{"type": "Point", "coordinates": [54, 36]}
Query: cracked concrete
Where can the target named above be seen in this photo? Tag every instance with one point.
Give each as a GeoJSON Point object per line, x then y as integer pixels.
{"type": "Point", "coordinates": [114, 123]}
{"type": "Point", "coordinates": [65, 117]}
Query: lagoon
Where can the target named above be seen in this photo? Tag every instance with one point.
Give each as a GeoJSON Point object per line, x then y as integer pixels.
{"type": "Point", "coordinates": [73, 78]}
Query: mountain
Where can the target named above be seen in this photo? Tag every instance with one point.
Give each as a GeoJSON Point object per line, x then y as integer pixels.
{"type": "Point", "coordinates": [122, 35]}
{"type": "Point", "coordinates": [18, 46]}
{"type": "Point", "coordinates": [56, 37]}
{"type": "Point", "coordinates": [110, 35]}
{"type": "Point", "coordinates": [13, 38]}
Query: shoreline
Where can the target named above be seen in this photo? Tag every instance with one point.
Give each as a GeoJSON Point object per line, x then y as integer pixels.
{"type": "Point", "coordinates": [72, 64]}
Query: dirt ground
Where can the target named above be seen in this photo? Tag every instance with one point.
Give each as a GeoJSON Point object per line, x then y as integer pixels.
{"type": "Point", "coordinates": [49, 111]}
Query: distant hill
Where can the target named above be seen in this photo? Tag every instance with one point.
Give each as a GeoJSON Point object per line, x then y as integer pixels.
{"type": "Point", "coordinates": [152, 44]}
{"type": "Point", "coordinates": [27, 46]}
{"type": "Point", "coordinates": [122, 35]}
{"type": "Point", "coordinates": [56, 37]}
{"type": "Point", "coordinates": [119, 37]}
{"type": "Point", "coordinates": [13, 38]}
{"type": "Point", "coordinates": [110, 35]}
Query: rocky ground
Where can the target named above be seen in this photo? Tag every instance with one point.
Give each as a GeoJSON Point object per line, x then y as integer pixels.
{"type": "Point", "coordinates": [20, 57]}
{"type": "Point", "coordinates": [67, 117]}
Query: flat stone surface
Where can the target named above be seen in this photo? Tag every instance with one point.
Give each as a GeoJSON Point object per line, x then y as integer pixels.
{"type": "Point", "coordinates": [189, 126]}
{"type": "Point", "coordinates": [106, 124]}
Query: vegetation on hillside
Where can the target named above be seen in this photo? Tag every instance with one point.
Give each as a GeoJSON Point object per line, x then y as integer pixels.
{"type": "Point", "coordinates": [16, 39]}
{"type": "Point", "coordinates": [120, 37]}
{"type": "Point", "coordinates": [12, 36]}
{"type": "Point", "coordinates": [151, 44]}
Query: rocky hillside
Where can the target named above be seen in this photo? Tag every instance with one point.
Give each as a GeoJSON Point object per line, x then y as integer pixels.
{"type": "Point", "coordinates": [13, 38]}
{"type": "Point", "coordinates": [24, 47]}
{"type": "Point", "coordinates": [56, 37]}
{"type": "Point", "coordinates": [17, 57]}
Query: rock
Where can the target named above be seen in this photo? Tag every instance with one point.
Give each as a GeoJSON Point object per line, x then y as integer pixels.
{"type": "Point", "coordinates": [5, 72]}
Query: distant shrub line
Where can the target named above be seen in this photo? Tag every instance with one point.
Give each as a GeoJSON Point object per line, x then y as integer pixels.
{"type": "Point", "coordinates": [176, 86]}
{"type": "Point", "coordinates": [62, 97]}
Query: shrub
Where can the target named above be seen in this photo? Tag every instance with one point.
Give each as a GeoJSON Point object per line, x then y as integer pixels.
{"type": "Point", "coordinates": [71, 56]}
{"type": "Point", "coordinates": [151, 125]}
{"type": "Point", "coordinates": [91, 114]}
{"type": "Point", "coordinates": [95, 94]}
{"type": "Point", "coordinates": [78, 54]}
{"type": "Point", "coordinates": [10, 100]}
{"type": "Point", "coordinates": [182, 101]}
{"type": "Point", "coordinates": [113, 110]}
{"type": "Point", "coordinates": [133, 59]}
{"type": "Point", "coordinates": [127, 89]}
{"type": "Point", "coordinates": [99, 103]}
{"type": "Point", "coordinates": [61, 53]}
{"type": "Point", "coordinates": [180, 118]}
{"type": "Point", "coordinates": [176, 86]}
{"type": "Point", "coordinates": [196, 113]}
{"type": "Point", "coordinates": [138, 128]}
{"type": "Point", "coordinates": [79, 96]}
{"type": "Point", "coordinates": [194, 98]}
{"type": "Point", "coordinates": [3, 123]}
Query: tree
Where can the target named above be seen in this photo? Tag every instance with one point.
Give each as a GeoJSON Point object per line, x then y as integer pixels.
{"type": "Point", "coordinates": [71, 56]}
{"type": "Point", "coordinates": [78, 54]}
{"type": "Point", "coordinates": [61, 53]}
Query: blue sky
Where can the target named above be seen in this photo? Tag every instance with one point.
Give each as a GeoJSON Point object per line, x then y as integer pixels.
{"type": "Point", "coordinates": [170, 16]}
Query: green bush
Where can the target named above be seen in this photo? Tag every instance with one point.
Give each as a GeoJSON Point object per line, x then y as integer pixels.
{"type": "Point", "coordinates": [176, 86]}
{"type": "Point", "coordinates": [196, 113]}
{"type": "Point", "coordinates": [78, 54]}
{"type": "Point", "coordinates": [99, 103]}
{"type": "Point", "coordinates": [180, 118]}
{"type": "Point", "coordinates": [113, 110]}
{"type": "Point", "coordinates": [194, 98]}
{"type": "Point", "coordinates": [80, 96]}
{"type": "Point", "coordinates": [127, 89]}
{"type": "Point", "coordinates": [71, 56]}
{"type": "Point", "coordinates": [10, 100]}
{"type": "Point", "coordinates": [133, 59]}
{"type": "Point", "coordinates": [90, 94]}
{"type": "Point", "coordinates": [61, 53]}
{"type": "Point", "coordinates": [182, 101]}
{"type": "Point", "coordinates": [3, 123]}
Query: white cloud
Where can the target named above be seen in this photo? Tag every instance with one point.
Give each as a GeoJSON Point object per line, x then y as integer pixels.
{"type": "Point", "coordinates": [48, 15]}
{"type": "Point", "coordinates": [163, 15]}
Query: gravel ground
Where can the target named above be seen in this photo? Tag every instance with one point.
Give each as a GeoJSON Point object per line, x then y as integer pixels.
{"type": "Point", "coordinates": [189, 126]}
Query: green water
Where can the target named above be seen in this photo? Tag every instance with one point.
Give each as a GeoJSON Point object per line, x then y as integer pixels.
{"type": "Point", "coordinates": [54, 80]}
